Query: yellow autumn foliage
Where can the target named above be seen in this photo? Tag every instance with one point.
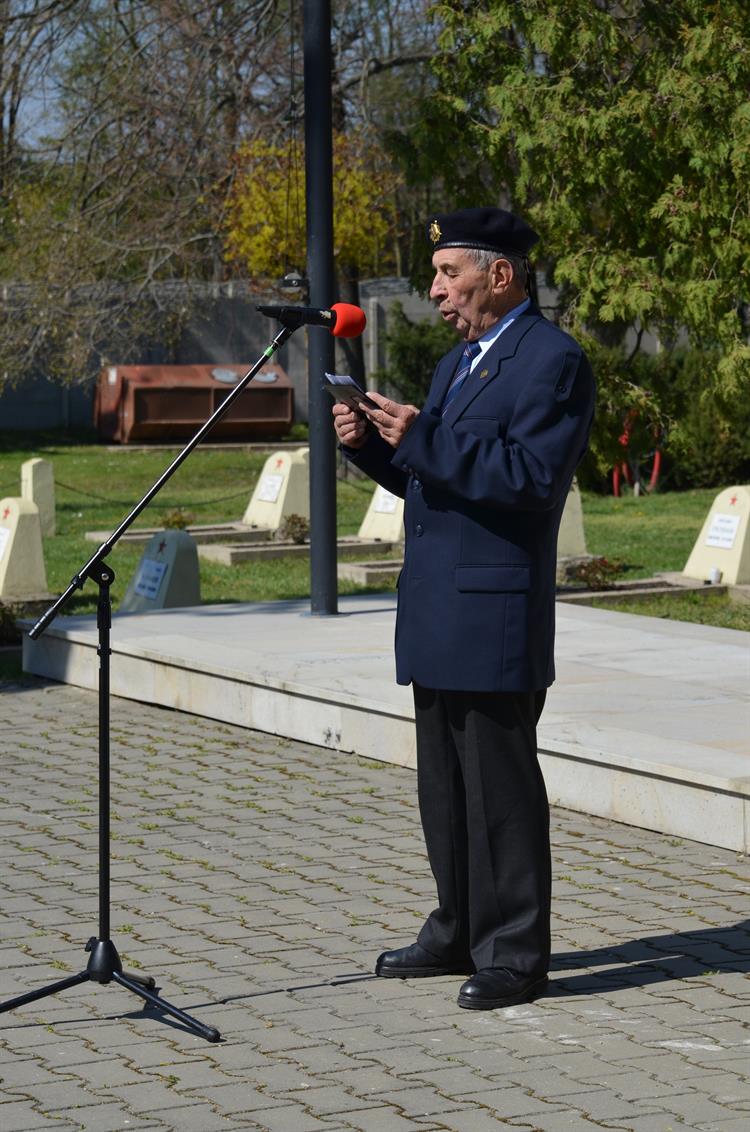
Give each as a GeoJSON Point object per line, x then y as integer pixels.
{"type": "Point", "coordinates": [265, 226]}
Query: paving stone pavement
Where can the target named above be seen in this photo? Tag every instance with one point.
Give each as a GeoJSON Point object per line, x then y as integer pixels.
{"type": "Point", "coordinates": [258, 878]}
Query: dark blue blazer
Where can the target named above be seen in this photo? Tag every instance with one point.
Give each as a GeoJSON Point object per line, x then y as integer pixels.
{"type": "Point", "coordinates": [484, 488]}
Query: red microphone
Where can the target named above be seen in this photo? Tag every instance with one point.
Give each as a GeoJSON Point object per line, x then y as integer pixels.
{"type": "Point", "coordinates": [350, 320]}
{"type": "Point", "coordinates": [344, 320]}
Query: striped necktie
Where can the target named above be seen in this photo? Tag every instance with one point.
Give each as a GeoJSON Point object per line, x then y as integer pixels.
{"type": "Point", "coordinates": [471, 349]}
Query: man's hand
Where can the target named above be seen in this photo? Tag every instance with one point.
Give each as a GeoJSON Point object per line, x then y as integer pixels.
{"type": "Point", "coordinates": [351, 427]}
{"type": "Point", "coordinates": [391, 419]}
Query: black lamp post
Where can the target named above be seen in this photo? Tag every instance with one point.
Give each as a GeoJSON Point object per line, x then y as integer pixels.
{"type": "Point", "coordinates": [321, 347]}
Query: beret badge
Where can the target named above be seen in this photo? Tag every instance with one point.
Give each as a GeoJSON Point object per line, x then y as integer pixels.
{"type": "Point", "coordinates": [435, 231]}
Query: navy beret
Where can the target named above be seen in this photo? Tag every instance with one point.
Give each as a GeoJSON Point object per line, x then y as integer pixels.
{"type": "Point", "coordinates": [490, 229]}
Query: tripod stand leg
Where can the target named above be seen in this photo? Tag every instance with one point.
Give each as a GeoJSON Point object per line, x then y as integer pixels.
{"type": "Point", "coordinates": [147, 981]}
{"type": "Point", "coordinates": [42, 992]}
{"type": "Point", "coordinates": [209, 1032]}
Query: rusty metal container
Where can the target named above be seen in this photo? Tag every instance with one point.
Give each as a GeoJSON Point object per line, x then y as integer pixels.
{"type": "Point", "coordinates": [165, 403]}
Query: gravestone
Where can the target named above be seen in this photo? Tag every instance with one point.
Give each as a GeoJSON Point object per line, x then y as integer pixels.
{"type": "Point", "coordinates": [167, 577]}
{"type": "Point", "coordinates": [282, 490]}
{"type": "Point", "coordinates": [38, 486]}
{"type": "Point", "coordinates": [22, 573]}
{"type": "Point", "coordinates": [571, 540]}
{"type": "Point", "coordinates": [384, 521]}
{"type": "Point", "coordinates": [722, 549]}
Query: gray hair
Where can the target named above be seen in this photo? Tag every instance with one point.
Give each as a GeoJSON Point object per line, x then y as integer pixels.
{"type": "Point", "coordinates": [484, 258]}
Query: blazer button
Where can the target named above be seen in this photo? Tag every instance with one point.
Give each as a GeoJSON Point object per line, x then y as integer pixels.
{"type": "Point", "coordinates": [419, 530]}
{"type": "Point", "coordinates": [561, 387]}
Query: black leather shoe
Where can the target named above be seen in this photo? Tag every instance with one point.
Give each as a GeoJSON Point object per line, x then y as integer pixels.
{"type": "Point", "coordinates": [414, 962]}
{"type": "Point", "coordinates": [495, 987]}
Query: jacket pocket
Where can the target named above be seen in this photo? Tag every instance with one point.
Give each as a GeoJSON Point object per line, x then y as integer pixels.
{"type": "Point", "coordinates": [493, 579]}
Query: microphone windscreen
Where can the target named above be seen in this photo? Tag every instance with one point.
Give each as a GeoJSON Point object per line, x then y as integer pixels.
{"type": "Point", "coordinates": [350, 320]}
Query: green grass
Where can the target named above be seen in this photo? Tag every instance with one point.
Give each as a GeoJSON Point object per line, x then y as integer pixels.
{"type": "Point", "coordinates": [649, 533]}
{"type": "Point", "coordinates": [708, 609]}
{"type": "Point", "coordinates": [96, 487]}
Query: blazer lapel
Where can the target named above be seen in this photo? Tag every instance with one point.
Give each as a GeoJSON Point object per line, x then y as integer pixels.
{"type": "Point", "coordinates": [490, 365]}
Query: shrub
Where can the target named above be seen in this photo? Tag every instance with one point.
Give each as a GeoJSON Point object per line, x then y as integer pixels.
{"type": "Point", "coordinates": [414, 349]}
{"type": "Point", "coordinates": [705, 441]}
{"type": "Point", "coordinates": [295, 528]}
{"type": "Point", "coordinates": [708, 441]}
{"type": "Point", "coordinates": [177, 519]}
{"type": "Point", "coordinates": [595, 573]}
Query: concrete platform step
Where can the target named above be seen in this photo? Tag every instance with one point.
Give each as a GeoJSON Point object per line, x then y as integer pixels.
{"type": "Point", "coordinates": [648, 722]}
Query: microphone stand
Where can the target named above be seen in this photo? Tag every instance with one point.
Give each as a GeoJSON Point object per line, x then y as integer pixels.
{"type": "Point", "coordinates": [104, 963]}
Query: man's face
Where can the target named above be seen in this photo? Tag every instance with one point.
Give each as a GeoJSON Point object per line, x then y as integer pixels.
{"type": "Point", "coordinates": [465, 295]}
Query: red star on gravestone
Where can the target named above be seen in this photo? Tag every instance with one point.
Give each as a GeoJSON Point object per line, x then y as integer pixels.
{"type": "Point", "coordinates": [732, 501]}
{"type": "Point", "coordinates": [162, 547]}
{"type": "Point", "coordinates": [6, 512]}
{"type": "Point", "coordinates": [280, 462]}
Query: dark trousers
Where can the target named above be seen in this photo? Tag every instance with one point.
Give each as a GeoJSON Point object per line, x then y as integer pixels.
{"type": "Point", "coordinates": [485, 818]}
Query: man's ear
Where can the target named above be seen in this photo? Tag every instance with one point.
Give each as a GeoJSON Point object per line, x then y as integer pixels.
{"type": "Point", "coordinates": [502, 275]}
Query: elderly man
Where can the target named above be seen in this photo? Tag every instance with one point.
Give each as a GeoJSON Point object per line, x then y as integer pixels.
{"type": "Point", "coordinates": [484, 469]}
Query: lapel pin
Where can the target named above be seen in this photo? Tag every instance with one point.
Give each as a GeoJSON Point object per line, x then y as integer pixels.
{"type": "Point", "coordinates": [484, 373]}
